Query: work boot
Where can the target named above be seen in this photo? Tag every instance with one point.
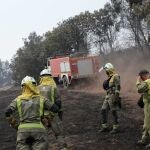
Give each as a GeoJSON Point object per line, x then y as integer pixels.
{"type": "Point", "coordinates": [142, 142]}
{"type": "Point", "coordinates": [63, 148]}
{"type": "Point", "coordinates": [115, 129]}
{"type": "Point", "coordinates": [104, 128]}
{"type": "Point", "coordinates": [147, 146]}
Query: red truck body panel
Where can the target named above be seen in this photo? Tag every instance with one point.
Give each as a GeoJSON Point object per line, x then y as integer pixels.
{"type": "Point", "coordinates": [77, 67]}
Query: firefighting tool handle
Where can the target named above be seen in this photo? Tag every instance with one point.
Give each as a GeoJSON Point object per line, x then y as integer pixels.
{"type": "Point", "coordinates": [60, 114]}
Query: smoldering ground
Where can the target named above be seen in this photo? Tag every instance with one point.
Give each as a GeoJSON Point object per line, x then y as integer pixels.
{"type": "Point", "coordinates": [127, 65]}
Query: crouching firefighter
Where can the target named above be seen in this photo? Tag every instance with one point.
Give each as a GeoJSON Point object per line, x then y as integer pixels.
{"type": "Point", "coordinates": [112, 100]}
{"type": "Point", "coordinates": [49, 90]}
{"type": "Point", "coordinates": [143, 87]}
{"type": "Point", "coordinates": [30, 106]}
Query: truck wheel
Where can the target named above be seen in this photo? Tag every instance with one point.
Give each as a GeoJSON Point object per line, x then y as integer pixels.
{"type": "Point", "coordinates": [65, 82]}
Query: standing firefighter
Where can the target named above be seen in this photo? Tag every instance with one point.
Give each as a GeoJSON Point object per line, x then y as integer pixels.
{"type": "Point", "coordinates": [143, 87]}
{"type": "Point", "coordinates": [112, 99]}
{"type": "Point", "coordinates": [53, 121]}
{"type": "Point", "coordinates": [29, 105]}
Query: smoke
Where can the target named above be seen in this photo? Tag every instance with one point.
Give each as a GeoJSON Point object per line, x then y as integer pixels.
{"type": "Point", "coordinates": [127, 64]}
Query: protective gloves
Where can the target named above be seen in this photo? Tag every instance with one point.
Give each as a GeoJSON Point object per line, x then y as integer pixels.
{"type": "Point", "coordinates": [58, 103]}
{"type": "Point", "coordinates": [54, 108]}
{"type": "Point", "coordinates": [12, 122]}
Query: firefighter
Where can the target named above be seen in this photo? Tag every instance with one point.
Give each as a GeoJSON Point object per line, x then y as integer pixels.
{"type": "Point", "coordinates": [48, 89]}
{"type": "Point", "coordinates": [112, 99]}
{"type": "Point", "coordinates": [143, 87]}
{"type": "Point", "coordinates": [29, 105]}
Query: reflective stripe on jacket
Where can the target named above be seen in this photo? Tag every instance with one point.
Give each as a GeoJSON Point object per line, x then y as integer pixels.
{"type": "Point", "coordinates": [30, 112]}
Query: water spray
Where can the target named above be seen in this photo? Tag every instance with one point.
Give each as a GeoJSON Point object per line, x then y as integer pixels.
{"type": "Point", "coordinates": [101, 69]}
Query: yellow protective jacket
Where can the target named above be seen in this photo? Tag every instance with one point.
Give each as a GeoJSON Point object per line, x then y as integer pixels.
{"type": "Point", "coordinates": [48, 89]}
{"type": "Point", "coordinates": [30, 106]}
{"type": "Point", "coordinates": [144, 88]}
{"type": "Point", "coordinates": [114, 84]}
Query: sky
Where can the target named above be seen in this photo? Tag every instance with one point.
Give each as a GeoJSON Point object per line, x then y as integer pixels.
{"type": "Point", "coordinates": [18, 18]}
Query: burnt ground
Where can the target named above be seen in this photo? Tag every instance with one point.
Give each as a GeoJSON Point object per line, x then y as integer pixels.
{"type": "Point", "coordinates": [81, 123]}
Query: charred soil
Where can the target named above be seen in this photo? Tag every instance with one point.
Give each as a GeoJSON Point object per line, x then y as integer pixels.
{"type": "Point", "coordinates": [82, 121]}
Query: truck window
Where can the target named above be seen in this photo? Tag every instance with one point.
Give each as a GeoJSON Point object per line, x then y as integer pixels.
{"type": "Point", "coordinates": [65, 67]}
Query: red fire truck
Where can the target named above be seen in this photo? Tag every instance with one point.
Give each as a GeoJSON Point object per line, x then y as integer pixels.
{"type": "Point", "coordinates": [66, 69]}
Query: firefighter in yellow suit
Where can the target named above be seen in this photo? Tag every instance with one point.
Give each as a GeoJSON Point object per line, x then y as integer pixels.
{"type": "Point", "coordinates": [30, 105]}
{"type": "Point", "coordinates": [143, 87]}
{"type": "Point", "coordinates": [112, 99]}
{"type": "Point", "coordinates": [49, 90]}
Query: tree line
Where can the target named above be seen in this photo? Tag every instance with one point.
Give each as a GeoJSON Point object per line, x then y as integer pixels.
{"type": "Point", "coordinates": [82, 34]}
{"type": "Point", "coordinates": [5, 73]}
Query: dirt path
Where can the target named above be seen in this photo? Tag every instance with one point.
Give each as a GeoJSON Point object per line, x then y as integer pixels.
{"type": "Point", "coordinates": [81, 122]}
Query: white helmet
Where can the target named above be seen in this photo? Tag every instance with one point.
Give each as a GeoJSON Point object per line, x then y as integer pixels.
{"type": "Point", "coordinates": [28, 79]}
{"type": "Point", "coordinates": [45, 72]}
{"type": "Point", "coordinates": [108, 67]}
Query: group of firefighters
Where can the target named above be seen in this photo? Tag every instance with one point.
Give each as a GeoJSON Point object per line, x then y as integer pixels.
{"type": "Point", "coordinates": [39, 109]}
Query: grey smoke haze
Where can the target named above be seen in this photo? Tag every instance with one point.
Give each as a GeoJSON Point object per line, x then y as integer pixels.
{"type": "Point", "coordinates": [20, 17]}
